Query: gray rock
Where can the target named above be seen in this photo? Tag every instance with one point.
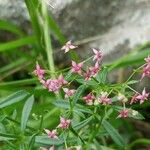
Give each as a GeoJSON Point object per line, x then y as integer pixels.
{"type": "Point", "coordinates": [112, 25]}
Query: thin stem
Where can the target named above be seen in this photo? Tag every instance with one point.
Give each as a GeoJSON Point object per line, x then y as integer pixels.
{"type": "Point", "coordinates": [47, 39]}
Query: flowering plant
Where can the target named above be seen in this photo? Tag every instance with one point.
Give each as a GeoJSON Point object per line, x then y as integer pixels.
{"type": "Point", "coordinates": [71, 109]}
{"type": "Point", "coordinates": [89, 107]}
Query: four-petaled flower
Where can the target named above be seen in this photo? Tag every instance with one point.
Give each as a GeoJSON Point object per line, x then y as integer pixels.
{"type": "Point", "coordinates": [39, 71]}
{"type": "Point", "coordinates": [104, 99]}
{"type": "Point", "coordinates": [69, 92]}
{"type": "Point", "coordinates": [76, 68]}
{"type": "Point", "coordinates": [89, 99]}
{"type": "Point", "coordinates": [94, 70]}
{"type": "Point", "coordinates": [98, 55]}
{"type": "Point", "coordinates": [142, 97]}
{"type": "Point", "coordinates": [146, 68]}
{"type": "Point", "coordinates": [51, 134]}
{"type": "Point", "coordinates": [68, 46]}
{"type": "Point", "coordinates": [123, 113]}
{"type": "Point", "coordinates": [61, 80]}
{"type": "Point", "coordinates": [134, 99]}
{"type": "Point", "coordinates": [64, 123]}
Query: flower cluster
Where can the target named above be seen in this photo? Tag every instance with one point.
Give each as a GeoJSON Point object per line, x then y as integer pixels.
{"type": "Point", "coordinates": [146, 68]}
{"type": "Point", "coordinates": [64, 124]}
{"type": "Point", "coordinates": [139, 97]}
{"type": "Point", "coordinates": [93, 97]}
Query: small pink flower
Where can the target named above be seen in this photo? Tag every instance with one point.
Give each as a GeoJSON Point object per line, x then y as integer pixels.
{"type": "Point", "coordinates": [68, 92]}
{"type": "Point", "coordinates": [142, 97]}
{"type": "Point", "coordinates": [52, 148]}
{"type": "Point", "coordinates": [64, 123]}
{"type": "Point", "coordinates": [76, 68]}
{"type": "Point", "coordinates": [53, 85]}
{"type": "Point", "coordinates": [51, 134]}
{"type": "Point", "coordinates": [98, 55]}
{"type": "Point", "coordinates": [147, 59]}
{"type": "Point", "coordinates": [146, 71]}
{"type": "Point", "coordinates": [68, 46]}
{"type": "Point", "coordinates": [89, 99]}
{"type": "Point", "coordinates": [94, 70]}
{"type": "Point", "coordinates": [87, 75]}
{"type": "Point", "coordinates": [104, 99]}
{"type": "Point", "coordinates": [39, 71]}
{"type": "Point", "coordinates": [123, 113]}
{"type": "Point", "coordinates": [61, 80]}
{"type": "Point", "coordinates": [134, 99]}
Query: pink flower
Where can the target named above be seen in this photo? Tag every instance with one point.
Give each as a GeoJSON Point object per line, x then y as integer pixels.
{"type": "Point", "coordinates": [146, 71]}
{"type": "Point", "coordinates": [134, 99]}
{"type": "Point", "coordinates": [147, 59]}
{"type": "Point", "coordinates": [68, 92]}
{"type": "Point", "coordinates": [104, 99]}
{"type": "Point", "coordinates": [39, 71]}
{"type": "Point", "coordinates": [51, 134]}
{"type": "Point", "coordinates": [64, 123]}
{"type": "Point", "coordinates": [87, 75]}
{"type": "Point", "coordinates": [53, 85]}
{"type": "Point", "coordinates": [76, 68]}
{"type": "Point", "coordinates": [89, 99]}
{"type": "Point", "coordinates": [94, 70]}
{"type": "Point", "coordinates": [142, 97]}
{"type": "Point", "coordinates": [68, 46]}
{"type": "Point", "coordinates": [98, 55]}
{"type": "Point", "coordinates": [123, 113]}
{"type": "Point", "coordinates": [52, 148]}
{"type": "Point", "coordinates": [146, 68]}
{"type": "Point", "coordinates": [61, 80]}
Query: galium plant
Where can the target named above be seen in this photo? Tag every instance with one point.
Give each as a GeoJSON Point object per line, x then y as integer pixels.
{"type": "Point", "coordinates": [89, 107]}
{"type": "Point", "coordinates": [83, 109]}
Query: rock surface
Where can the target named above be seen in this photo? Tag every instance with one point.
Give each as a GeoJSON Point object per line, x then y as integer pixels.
{"type": "Point", "coordinates": [112, 25]}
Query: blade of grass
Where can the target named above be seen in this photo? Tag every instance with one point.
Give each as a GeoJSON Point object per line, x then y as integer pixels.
{"type": "Point", "coordinates": [5, 25]}
{"type": "Point", "coordinates": [17, 43]}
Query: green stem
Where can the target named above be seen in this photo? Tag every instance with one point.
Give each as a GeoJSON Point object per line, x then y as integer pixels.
{"type": "Point", "coordinates": [47, 39]}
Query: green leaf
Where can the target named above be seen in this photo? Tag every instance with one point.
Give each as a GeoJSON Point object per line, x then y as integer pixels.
{"type": "Point", "coordinates": [78, 93]}
{"type": "Point", "coordinates": [5, 136]}
{"type": "Point", "coordinates": [83, 123]}
{"type": "Point", "coordinates": [135, 57]}
{"type": "Point", "coordinates": [113, 133]}
{"type": "Point", "coordinates": [9, 85]}
{"type": "Point", "coordinates": [102, 75]}
{"type": "Point", "coordinates": [26, 112]}
{"type": "Point", "coordinates": [13, 98]}
{"type": "Point", "coordinates": [17, 43]}
{"type": "Point", "coordinates": [132, 82]}
{"type": "Point", "coordinates": [56, 30]}
{"type": "Point", "coordinates": [65, 105]}
{"type": "Point", "coordinates": [44, 140]}
{"type": "Point", "coordinates": [4, 25]}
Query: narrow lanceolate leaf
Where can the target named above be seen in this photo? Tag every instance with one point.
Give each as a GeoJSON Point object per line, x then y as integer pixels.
{"type": "Point", "coordinates": [4, 25]}
{"type": "Point", "coordinates": [102, 75]}
{"type": "Point", "coordinates": [13, 98]}
{"type": "Point", "coordinates": [26, 112]}
{"type": "Point", "coordinates": [44, 140]}
{"type": "Point", "coordinates": [116, 137]}
{"type": "Point", "coordinates": [83, 123]}
{"type": "Point", "coordinates": [17, 43]}
{"type": "Point", "coordinates": [5, 136]}
{"type": "Point", "coordinates": [65, 105]}
{"type": "Point", "coordinates": [78, 94]}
